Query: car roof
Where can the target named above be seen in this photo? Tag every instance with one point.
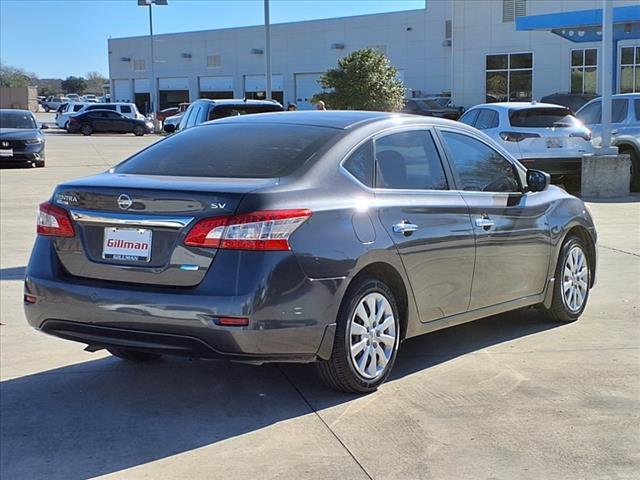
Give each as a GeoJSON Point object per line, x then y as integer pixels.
{"type": "Point", "coordinates": [15, 110]}
{"type": "Point", "coordinates": [516, 105]}
{"type": "Point", "coordinates": [237, 101]}
{"type": "Point", "coordinates": [339, 119]}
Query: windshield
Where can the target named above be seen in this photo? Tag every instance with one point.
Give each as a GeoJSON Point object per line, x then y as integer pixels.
{"type": "Point", "coordinates": [17, 120]}
{"type": "Point", "coordinates": [427, 104]}
{"type": "Point", "coordinates": [241, 150]}
{"type": "Point", "coordinates": [543, 118]}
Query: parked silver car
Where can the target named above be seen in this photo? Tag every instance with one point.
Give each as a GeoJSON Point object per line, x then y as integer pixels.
{"type": "Point", "coordinates": [625, 127]}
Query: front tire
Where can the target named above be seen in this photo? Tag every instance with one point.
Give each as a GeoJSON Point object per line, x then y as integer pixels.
{"type": "Point", "coordinates": [133, 355]}
{"type": "Point", "coordinates": [138, 131]}
{"type": "Point", "coordinates": [46, 108]}
{"type": "Point", "coordinates": [572, 282]}
{"type": "Point", "coordinates": [366, 341]}
{"type": "Point", "coordinates": [635, 169]}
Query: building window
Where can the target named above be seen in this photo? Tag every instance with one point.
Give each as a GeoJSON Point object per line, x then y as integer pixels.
{"type": "Point", "coordinates": [139, 65]}
{"type": "Point", "coordinates": [214, 61]}
{"type": "Point", "coordinates": [512, 9]}
{"type": "Point", "coordinates": [509, 77]}
{"type": "Point", "coordinates": [630, 69]}
{"type": "Point", "coordinates": [447, 29]}
{"type": "Point", "coordinates": [584, 70]}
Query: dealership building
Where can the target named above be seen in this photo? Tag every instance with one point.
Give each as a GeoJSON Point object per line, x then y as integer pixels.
{"type": "Point", "coordinates": [474, 50]}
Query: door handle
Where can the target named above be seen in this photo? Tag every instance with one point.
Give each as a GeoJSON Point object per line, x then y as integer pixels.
{"type": "Point", "coordinates": [405, 227]}
{"type": "Point", "coordinates": [484, 222]}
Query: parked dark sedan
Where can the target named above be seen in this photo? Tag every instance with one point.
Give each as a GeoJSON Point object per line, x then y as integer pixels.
{"type": "Point", "coordinates": [573, 101]}
{"type": "Point", "coordinates": [101, 121]}
{"type": "Point", "coordinates": [20, 138]}
{"type": "Point", "coordinates": [430, 108]}
{"type": "Point", "coordinates": [328, 237]}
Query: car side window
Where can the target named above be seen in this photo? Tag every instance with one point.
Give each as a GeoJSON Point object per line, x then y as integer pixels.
{"type": "Point", "coordinates": [112, 115]}
{"type": "Point", "coordinates": [591, 114]}
{"type": "Point", "coordinates": [470, 117]}
{"type": "Point", "coordinates": [480, 168]}
{"type": "Point", "coordinates": [360, 163]}
{"type": "Point", "coordinates": [125, 108]}
{"type": "Point", "coordinates": [619, 108]}
{"type": "Point", "coordinates": [636, 107]}
{"type": "Point", "coordinates": [185, 117]}
{"type": "Point", "coordinates": [409, 160]}
{"type": "Point", "coordinates": [487, 118]}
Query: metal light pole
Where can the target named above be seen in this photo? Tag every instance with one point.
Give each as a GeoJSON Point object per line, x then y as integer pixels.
{"type": "Point", "coordinates": [267, 56]}
{"type": "Point", "coordinates": [607, 73]}
{"type": "Point", "coordinates": [153, 87]}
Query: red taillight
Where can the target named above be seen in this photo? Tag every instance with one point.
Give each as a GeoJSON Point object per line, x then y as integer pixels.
{"type": "Point", "coordinates": [263, 230]}
{"type": "Point", "coordinates": [53, 220]}
{"type": "Point", "coordinates": [72, 120]}
{"type": "Point", "coordinates": [233, 321]}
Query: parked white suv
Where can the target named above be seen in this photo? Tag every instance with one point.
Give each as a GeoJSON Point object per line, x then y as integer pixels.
{"type": "Point", "coordinates": [129, 110]}
{"type": "Point", "coordinates": [625, 127]}
{"type": "Point", "coordinates": [62, 118]}
{"type": "Point", "coordinates": [541, 135]}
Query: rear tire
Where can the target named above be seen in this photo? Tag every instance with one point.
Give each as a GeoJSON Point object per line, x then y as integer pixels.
{"type": "Point", "coordinates": [39, 163]}
{"type": "Point", "coordinates": [46, 108]}
{"type": "Point", "coordinates": [86, 129]}
{"type": "Point", "coordinates": [572, 282]}
{"type": "Point", "coordinates": [366, 341]}
{"type": "Point", "coordinates": [133, 355]}
{"type": "Point", "coordinates": [138, 131]}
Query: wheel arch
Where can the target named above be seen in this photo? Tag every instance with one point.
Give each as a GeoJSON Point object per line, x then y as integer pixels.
{"type": "Point", "coordinates": [391, 276]}
{"type": "Point", "coordinates": [583, 234]}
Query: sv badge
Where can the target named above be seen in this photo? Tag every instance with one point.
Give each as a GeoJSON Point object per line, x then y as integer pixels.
{"type": "Point", "coordinates": [218, 205]}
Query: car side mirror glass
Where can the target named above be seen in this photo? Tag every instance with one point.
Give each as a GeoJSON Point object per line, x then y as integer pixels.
{"type": "Point", "coordinates": [44, 126]}
{"type": "Point", "coordinates": [169, 128]}
{"type": "Point", "coordinates": [537, 180]}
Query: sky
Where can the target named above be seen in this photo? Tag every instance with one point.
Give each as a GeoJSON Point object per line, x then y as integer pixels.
{"type": "Point", "coordinates": [58, 38]}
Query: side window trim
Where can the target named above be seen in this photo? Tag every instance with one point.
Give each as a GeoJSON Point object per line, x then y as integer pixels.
{"type": "Point", "coordinates": [520, 175]}
{"type": "Point", "coordinates": [404, 129]}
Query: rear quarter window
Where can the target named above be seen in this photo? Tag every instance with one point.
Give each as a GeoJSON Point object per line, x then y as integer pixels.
{"type": "Point", "coordinates": [239, 150]}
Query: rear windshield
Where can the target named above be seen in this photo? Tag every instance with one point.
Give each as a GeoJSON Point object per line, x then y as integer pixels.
{"type": "Point", "coordinates": [542, 118]}
{"type": "Point", "coordinates": [241, 150]}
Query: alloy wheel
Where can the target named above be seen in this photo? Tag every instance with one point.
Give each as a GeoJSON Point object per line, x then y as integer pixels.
{"type": "Point", "coordinates": [372, 335]}
{"type": "Point", "coordinates": [575, 276]}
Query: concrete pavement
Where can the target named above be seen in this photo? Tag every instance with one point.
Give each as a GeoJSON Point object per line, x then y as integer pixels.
{"type": "Point", "coordinates": [508, 397]}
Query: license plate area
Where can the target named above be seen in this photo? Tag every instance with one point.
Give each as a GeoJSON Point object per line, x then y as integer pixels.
{"type": "Point", "coordinates": [554, 142]}
{"type": "Point", "coordinates": [6, 152]}
{"type": "Point", "coordinates": [129, 244]}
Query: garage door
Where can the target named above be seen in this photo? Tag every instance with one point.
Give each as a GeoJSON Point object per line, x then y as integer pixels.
{"type": "Point", "coordinates": [216, 87]}
{"type": "Point", "coordinates": [306, 87]}
{"type": "Point", "coordinates": [123, 91]}
{"type": "Point", "coordinates": [141, 85]}
{"type": "Point", "coordinates": [255, 87]}
{"type": "Point", "coordinates": [173, 91]}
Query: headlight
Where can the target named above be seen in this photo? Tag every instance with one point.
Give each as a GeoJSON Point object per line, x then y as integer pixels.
{"type": "Point", "coordinates": [33, 141]}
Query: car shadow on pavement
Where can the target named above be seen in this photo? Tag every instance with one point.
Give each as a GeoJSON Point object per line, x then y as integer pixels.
{"type": "Point", "coordinates": [106, 415]}
{"type": "Point", "coordinates": [12, 273]}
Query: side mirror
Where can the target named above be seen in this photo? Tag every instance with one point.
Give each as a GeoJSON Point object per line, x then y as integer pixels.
{"type": "Point", "coordinates": [537, 180]}
{"type": "Point", "coordinates": [44, 126]}
{"type": "Point", "coordinates": [169, 128]}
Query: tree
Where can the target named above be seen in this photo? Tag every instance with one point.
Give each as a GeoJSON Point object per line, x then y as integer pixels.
{"type": "Point", "coordinates": [15, 77]}
{"type": "Point", "coordinates": [74, 85]}
{"type": "Point", "coordinates": [95, 80]}
{"type": "Point", "coordinates": [363, 80]}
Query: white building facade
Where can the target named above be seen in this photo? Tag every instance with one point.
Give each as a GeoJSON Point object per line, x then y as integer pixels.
{"type": "Point", "coordinates": [467, 48]}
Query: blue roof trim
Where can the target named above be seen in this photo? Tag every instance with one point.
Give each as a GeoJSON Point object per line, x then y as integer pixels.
{"type": "Point", "coordinates": [578, 18]}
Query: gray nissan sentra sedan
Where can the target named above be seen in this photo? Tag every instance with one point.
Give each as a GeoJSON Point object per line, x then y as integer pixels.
{"type": "Point", "coordinates": [324, 237]}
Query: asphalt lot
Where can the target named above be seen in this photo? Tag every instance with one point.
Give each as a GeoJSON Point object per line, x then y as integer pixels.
{"type": "Point", "coordinates": [508, 397]}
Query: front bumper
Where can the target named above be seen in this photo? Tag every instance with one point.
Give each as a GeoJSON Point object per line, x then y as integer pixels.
{"type": "Point", "coordinates": [288, 312]}
{"type": "Point", "coordinates": [559, 166]}
{"type": "Point", "coordinates": [28, 153]}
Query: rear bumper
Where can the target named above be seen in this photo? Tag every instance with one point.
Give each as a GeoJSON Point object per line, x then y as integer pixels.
{"type": "Point", "coordinates": [570, 166]}
{"type": "Point", "coordinates": [288, 312]}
